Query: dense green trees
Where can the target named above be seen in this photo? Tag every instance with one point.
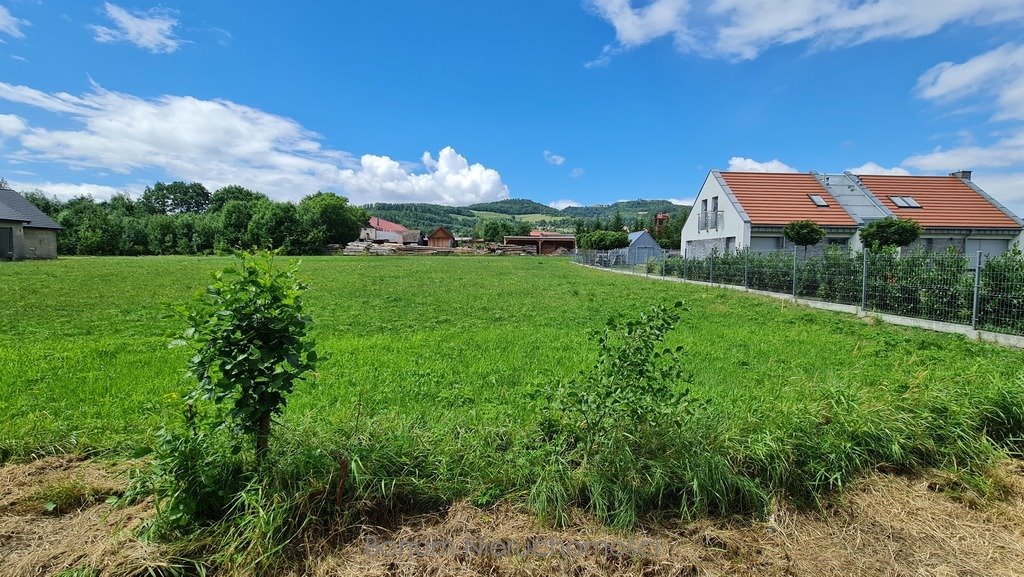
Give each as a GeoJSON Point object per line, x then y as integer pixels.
{"type": "Point", "coordinates": [179, 218]}
{"type": "Point", "coordinates": [496, 230]}
{"type": "Point", "coordinates": [603, 240]}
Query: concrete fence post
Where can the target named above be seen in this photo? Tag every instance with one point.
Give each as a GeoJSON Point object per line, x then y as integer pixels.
{"type": "Point", "coordinates": [864, 281]}
{"type": "Point", "coordinates": [977, 287]}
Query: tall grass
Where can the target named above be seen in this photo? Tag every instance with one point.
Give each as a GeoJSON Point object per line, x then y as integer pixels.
{"type": "Point", "coordinates": [435, 390]}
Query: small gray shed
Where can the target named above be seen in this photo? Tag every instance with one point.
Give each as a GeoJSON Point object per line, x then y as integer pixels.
{"type": "Point", "coordinates": [25, 231]}
{"type": "Point", "coordinates": [642, 248]}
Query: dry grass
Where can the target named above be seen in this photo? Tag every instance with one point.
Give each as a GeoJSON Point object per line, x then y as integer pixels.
{"type": "Point", "coordinates": [38, 541]}
{"type": "Point", "coordinates": [882, 525]}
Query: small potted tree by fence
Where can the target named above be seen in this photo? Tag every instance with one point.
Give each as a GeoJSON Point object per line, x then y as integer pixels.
{"type": "Point", "coordinates": [804, 233]}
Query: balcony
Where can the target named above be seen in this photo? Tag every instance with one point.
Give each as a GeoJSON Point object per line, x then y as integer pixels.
{"type": "Point", "coordinates": [710, 220]}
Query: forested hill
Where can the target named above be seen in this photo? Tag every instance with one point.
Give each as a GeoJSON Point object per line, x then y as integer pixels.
{"type": "Point", "coordinates": [628, 209]}
{"type": "Point", "coordinates": [461, 220]}
{"type": "Point", "coordinates": [515, 206]}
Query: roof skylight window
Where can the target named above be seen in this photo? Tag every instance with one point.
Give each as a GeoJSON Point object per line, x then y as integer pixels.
{"type": "Point", "coordinates": [818, 200]}
{"type": "Point", "coordinates": [905, 201]}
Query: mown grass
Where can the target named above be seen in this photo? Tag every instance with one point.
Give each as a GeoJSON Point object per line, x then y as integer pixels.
{"type": "Point", "coordinates": [438, 368]}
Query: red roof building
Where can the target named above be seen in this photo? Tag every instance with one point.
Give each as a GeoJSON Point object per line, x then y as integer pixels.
{"type": "Point", "coordinates": [386, 225]}
{"type": "Point", "coordinates": [741, 210]}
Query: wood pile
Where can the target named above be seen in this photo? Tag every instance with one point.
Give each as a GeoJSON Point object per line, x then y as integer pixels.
{"type": "Point", "coordinates": [360, 247]}
{"type": "Point", "coordinates": [512, 249]}
{"type": "Point", "coordinates": [356, 247]}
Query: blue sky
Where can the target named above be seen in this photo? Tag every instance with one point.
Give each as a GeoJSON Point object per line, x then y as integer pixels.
{"type": "Point", "coordinates": [560, 101]}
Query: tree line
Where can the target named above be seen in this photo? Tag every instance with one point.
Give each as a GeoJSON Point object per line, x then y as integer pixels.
{"type": "Point", "coordinates": [185, 218]}
{"type": "Point", "coordinates": [667, 235]}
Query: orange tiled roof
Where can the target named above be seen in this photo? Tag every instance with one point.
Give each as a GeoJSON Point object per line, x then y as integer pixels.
{"type": "Point", "coordinates": [780, 198]}
{"type": "Point", "coordinates": [946, 201]}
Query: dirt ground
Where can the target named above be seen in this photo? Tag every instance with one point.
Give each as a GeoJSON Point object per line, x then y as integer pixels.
{"type": "Point", "coordinates": [54, 517]}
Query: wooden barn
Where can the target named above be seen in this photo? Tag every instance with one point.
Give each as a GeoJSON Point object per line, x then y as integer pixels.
{"type": "Point", "coordinates": [441, 238]}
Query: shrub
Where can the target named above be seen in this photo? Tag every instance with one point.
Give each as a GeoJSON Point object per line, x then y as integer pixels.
{"type": "Point", "coordinates": [890, 232]}
{"type": "Point", "coordinates": [804, 233]}
{"type": "Point", "coordinates": [248, 332]}
{"type": "Point", "coordinates": [603, 240]}
{"type": "Point", "coordinates": [614, 422]}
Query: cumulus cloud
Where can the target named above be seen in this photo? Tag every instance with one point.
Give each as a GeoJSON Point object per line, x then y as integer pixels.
{"type": "Point", "coordinates": [873, 168]}
{"type": "Point", "coordinates": [552, 158]}
{"type": "Point", "coordinates": [741, 164]}
{"type": "Point", "coordinates": [219, 142]}
{"type": "Point", "coordinates": [152, 30]}
{"type": "Point", "coordinates": [11, 24]}
{"type": "Point", "coordinates": [999, 71]}
{"type": "Point", "coordinates": [577, 172]}
{"type": "Point", "coordinates": [449, 179]}
{"type": "Point", "coordinates": [742, 29]}
{"type": "Point", "coordinates": [563, 203]}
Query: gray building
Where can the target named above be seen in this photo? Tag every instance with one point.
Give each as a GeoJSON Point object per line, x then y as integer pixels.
{"type": "Point", "coordinates": [642, 247]}
{"type": "Point", "coordinates": [25, 231]}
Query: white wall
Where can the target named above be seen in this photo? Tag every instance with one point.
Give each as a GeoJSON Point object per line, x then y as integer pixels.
{"type": "Point", "coordinates": [731, 225]}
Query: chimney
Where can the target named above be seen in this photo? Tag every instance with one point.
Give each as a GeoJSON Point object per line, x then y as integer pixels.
{"type": "Point", "coordinates": [962, 174]}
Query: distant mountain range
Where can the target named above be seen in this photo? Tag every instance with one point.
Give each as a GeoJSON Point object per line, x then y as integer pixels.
{"type": "Point", "coordinates": [460, 220]}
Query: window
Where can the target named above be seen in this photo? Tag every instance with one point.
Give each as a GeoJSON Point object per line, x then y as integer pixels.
{"type": "Point", "coordinates": [714, 204]}
{"type": "Point", "coordinates": [904, 201]}
{"type": "Point", "coordinates": [837, 241]}
{"type": "Point", "coordinates": [704, 205]}
{"type": "Point", "coordinates": [818, 200]}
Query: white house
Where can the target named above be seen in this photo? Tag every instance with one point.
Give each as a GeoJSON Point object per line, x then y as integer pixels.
{"type": "Point", "coordinates": [736, 210]}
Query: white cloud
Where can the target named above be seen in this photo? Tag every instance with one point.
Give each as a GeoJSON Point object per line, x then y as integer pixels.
{"type": "Point", "coordinates": [65, 190]}
{"type": "Point", "coordinates": [742, 29]}
{"type": "Point", "coordinates": [11, 125]}
{"type": "Point", "coordinates": [552, 158]}
{"type": "Point", "coordinates": [577, 172]}
{"type": "Point", "coordinates": [741, 164]}
{"type": "Point", "coordinates": [449, 179]}
{"type": "Point", "coordinates": [635, 26]}
{"type": "Point", "coordinates": [999, 71]}
{"type": "Point", "coordinates": [996, 79]}
{"type": "Point", "coordinates": [679, 201]}
{"type": "Point", "coordinates": [152, 30]}
{"type": "Point", "coordinates": [563, 203]}
{"type": "Point", "coordinates": [11, 24]}
{"type": "Point", "coordinates": [873, 168]}
{"type": "Point", "coordinates": [219, 142]}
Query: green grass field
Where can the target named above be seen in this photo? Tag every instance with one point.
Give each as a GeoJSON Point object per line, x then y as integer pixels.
{"type": "Point", "coordinates": [434, 362]}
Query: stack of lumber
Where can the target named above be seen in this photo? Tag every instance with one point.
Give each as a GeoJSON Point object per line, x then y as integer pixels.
{"type": "Point", "coordinates": [387, 248]}
{"type": "Point", "coordinates": [513, 249]}
{"type": "Point", "coordinates": [357, 247]}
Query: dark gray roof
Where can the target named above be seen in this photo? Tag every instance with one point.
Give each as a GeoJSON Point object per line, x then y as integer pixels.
{"type": "Point", "coordinates": [13, 206]}
{"type": "Point", "coordinates": [8, 213]}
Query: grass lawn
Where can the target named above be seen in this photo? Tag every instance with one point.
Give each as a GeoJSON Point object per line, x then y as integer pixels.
{"type": "Point", "coordinates": [434, 362]}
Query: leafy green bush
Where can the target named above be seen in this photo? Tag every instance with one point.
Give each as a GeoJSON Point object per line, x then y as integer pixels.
{"type": "Point", "coordinates": [1001, 298]}
{"type": "Point", "coordinates": [615, 421]}
{"type": "Point", "coordinates": [248, 333]}
{"type": "Point", "coordinates": [603, 240]}
{"type": "Point", "coordinates": [804, 233]}
{"type": "Point", "coordinates": [890, 232]}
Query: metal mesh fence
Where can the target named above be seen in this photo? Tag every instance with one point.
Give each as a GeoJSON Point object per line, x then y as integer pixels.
{"type": "Point", "coordinates": [943, 286]}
